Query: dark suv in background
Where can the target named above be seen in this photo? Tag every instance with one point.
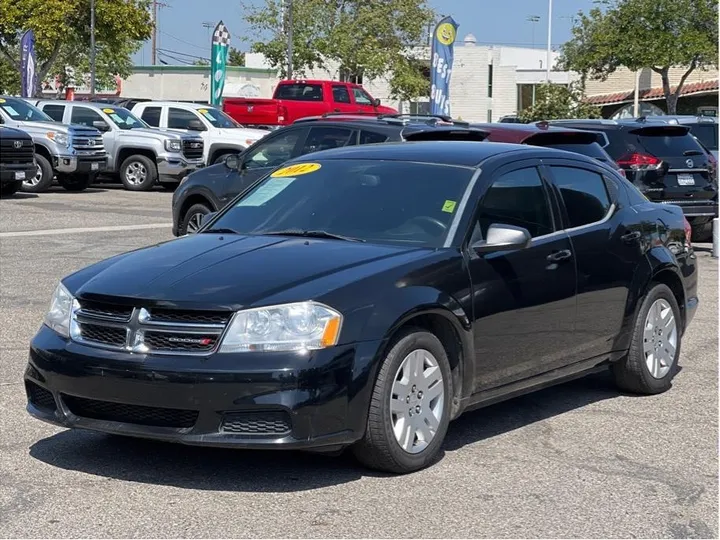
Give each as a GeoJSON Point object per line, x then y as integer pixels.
{"type": "Point", "coordinates": [209, 189]}
{"type": "Point", "coordinates": [665, 162]}
{"type": "Point", "coordinates": [17, 159]}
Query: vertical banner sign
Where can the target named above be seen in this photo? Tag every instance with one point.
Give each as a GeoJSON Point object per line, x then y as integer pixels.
{"type": "Point", "coordinates": [218, 63]}
{"type": "Point", "coordinates": [442, 63]}
{"type": "Point", "coordinates": [28, 75]}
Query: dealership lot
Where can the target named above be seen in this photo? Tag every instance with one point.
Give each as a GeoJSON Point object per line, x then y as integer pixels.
{"type": "Point", "coordinates": [576, 460]}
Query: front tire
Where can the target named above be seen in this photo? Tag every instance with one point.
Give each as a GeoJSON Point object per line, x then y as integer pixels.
{"type": "Point", "coordinates": [702, 233]}
{"type": "Point", "coordinates": [138, 173]}
{"type": "Point", "coordinates": [192, 219]}
{"type": "Point", "coordinates": [651, 362]}
{"type": "Point", "coordinates": [10, 189]}
{"type": "Point", "coordinates": [43, 178]}
{"type": "Point", "coordinates": [410, 406]}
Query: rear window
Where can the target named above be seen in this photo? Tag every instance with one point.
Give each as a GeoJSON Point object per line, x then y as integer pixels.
{"type": "Point", "coordinates": [707, 133]}
{"type": "Point", "coordinates": [668, 145]}
{"type": "Point", "coordinates": [591, 150]}
{"type": "Point", "coordinates": [300, 92]}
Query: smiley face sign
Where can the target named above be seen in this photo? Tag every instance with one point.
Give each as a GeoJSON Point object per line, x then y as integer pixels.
{"type": "Point", "coordinates": [446, 34]}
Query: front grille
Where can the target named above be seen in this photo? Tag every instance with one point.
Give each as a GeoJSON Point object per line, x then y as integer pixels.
{"type": "Point", "coordinates": [107, 335]}
{"type": "Point", "coordinates": [87, 141]}
{"type": "Point", "coordinates": [16, 156]}
{"type": "Point", "coordinates": [256, 423]}
{"type": "Point", "coordinates": [39, 397]}
{"type": "Point", "coordinates": [148, 330]}
{"type": "Point", "coordinates": [193, 149]}
{"type": "Point", "coordinates": [130, 414]}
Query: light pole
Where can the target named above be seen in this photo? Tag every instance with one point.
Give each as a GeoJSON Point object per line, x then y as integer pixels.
{"type": "Point", "coordinates": [533, 19]}
{"type": "Point", "coordinates": [92, 49]}
{"type": "Point", "coordinates": [289, 26]}
{"type": "Point", "coordinates": [549, 38]}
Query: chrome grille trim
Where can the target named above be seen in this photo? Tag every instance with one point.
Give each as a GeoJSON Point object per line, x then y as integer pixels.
{"type": "Point", "coordinates": [140, 323]}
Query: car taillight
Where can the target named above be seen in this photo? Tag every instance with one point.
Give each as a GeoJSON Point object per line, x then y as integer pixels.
{"type": "Point", "coordinates": [639, 162]}
{"type": "Point", "coordinates": [712, 168]}
{"type": "Point", "coordinates": [282, 113]}
{"type": "Point", "coordinates": [688, 233]}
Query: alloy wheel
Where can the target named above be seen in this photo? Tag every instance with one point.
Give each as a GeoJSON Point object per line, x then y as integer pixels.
{"type": "Point", "coordinates": [660, 338]}
{"type": "Point", "coordinates": [136, 173]}
{"type": "Point", "coordinates": [194, 222]}
{"type": "Point", "coordinates": [34, 180]}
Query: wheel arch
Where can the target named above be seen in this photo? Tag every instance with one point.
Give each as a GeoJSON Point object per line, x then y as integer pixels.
{"type": "Point", "coordinates": [222, 148]}
{"type": "Point", "coordinates": [127, 151]}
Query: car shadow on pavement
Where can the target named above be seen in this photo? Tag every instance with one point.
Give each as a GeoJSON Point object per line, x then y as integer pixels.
{"type": "Point", "coordinates": [154, 462]}
{"type": "Point", "coordinates": [20, 195]}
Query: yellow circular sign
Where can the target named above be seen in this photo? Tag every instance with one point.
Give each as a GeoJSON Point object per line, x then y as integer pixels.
{"type": "Point", "coordinates": [2, 100]}
{"type": "Point", "coordinates": [446, 34]}
{"type": "Point", "coordinates": [108, 111]}
{"type": "Point", "coordinates": [296, 170]}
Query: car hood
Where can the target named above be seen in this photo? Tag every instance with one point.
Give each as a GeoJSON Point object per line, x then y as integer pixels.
{"type": "Point", "coordinates": [147, 133]}
{"type": "Point", "coordinates": [213, 271]}
{"type": "Point", "coordinates": [242, 134]}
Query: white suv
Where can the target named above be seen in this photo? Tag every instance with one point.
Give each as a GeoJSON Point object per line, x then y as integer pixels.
{"type": "Point", "coordinates": [222, 135]}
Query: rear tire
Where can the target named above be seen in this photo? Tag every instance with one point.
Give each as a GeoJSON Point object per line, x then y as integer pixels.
{"type": "Point", "coordinates": [43, 178]}
{"type": "Point", "coordinates": [191, 219]}
{"type": "Point", "coordinates": [10, 189]}
{"type": "Point", "coordinates": [74, 182]}
{"type": "Point", "coordinates": [702, 233]}
{"type": "Point", "coordinates": [395, 388]}
{"type": "Point", "coordinates": [138, 173]}
{"type": "Point", "coordinates": [655, 343]}
{"type": "Point", "coordinates": [169, 186]}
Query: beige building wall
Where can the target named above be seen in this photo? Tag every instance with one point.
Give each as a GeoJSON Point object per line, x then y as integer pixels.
{"type": "Point", "coordinates": [623, 80]}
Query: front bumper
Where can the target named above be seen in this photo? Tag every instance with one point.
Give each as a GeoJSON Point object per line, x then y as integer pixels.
{"type": "Point", "coordinates": [173, 168]}
{"type": "Point", "coordinates": [72, 164]}
{"type": "Point", "coordinates": [9, 172]}
{"type": "Point", "coordinates": [246, 400]}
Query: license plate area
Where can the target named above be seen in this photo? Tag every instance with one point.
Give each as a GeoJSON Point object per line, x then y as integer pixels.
{"type": "Point", "coordinates": [94, 166]}
{"type": "Point", "coordinates": [20, 175]}
{"type": "Point", "coordinates": [685, 179]}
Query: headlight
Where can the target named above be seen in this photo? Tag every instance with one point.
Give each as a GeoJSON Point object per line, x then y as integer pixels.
{"type": "Point", "coordinates": [58, 317]}
{"type": "Point", "coordinates": [59, 138]}
{"type": "Point", "coordinates": [289, 327]}
{"type": "Point", "coordinates": [172, 145]}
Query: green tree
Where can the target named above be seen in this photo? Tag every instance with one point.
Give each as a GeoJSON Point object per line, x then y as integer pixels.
{"type": "Point", "coordinates": [236, 57]}
{"type": "Point", "coordinates": [557, 101]}
{"type": "Point", "coordinates": [62, 34]}
{"type": "Point", "coordinates": [636, 34]}
{"type": "Point", "coordinates": [201, 62]}
{"type": "Point", "coordinates": [368, 39]}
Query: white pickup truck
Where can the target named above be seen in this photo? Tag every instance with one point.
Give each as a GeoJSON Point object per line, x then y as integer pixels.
{"type": "Point", "coordinates": [222, 135]}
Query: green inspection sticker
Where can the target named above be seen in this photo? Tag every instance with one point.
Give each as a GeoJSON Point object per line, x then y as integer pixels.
{"type": "Point", "coordinates": [449, 207]}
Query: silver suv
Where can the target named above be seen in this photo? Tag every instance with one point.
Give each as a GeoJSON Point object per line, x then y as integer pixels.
{"type": "Point", "coordinates": [74, 154]}
{"type": "Point", "coordinates": [142, 156]}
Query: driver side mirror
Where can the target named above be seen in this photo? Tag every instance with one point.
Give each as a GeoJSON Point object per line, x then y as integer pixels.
{"type": "Point", "coordinates": [376, 102]}
{"type": "Point", "coordinates": [196, 125]}
{"type": "Point", "coordinates": [232, 162]}
{"type": "Point", "coordinates": [100, 125]}
{"type": "Point", "coordinates": [502, 237]}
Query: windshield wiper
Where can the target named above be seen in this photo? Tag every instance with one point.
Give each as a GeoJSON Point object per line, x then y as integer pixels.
{"type": "Point", "coordinates": [312, 234]}
{"type": "Point", "coordinates": [692, 153]}
{"type": "Point", "coordinates": [220, 230]}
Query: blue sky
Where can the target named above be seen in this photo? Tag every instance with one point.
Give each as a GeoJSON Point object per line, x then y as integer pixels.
{"type": "Point", "coordinates": [491, 21]}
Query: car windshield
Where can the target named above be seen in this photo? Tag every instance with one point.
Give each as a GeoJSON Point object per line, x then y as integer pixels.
{"type": "Point", "coordinates": [123, 118]}
{"type": "Point", "coordinates": [218, 118]}
{"type": "Point", "coordinates": [21, 110]}
{"type": "Point", "coordinates": [707, 133]}
{"type": "Point", "coordinates": [386, 202]}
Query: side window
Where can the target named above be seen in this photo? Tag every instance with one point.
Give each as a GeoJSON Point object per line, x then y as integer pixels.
{"type": "Point", "coordinates": [85, 116]}
{"type": "Point", "coordinates": [54, 111]}
{"type": "Point", "coordinates": [369, 137]}
{"type": "Point", "coordinates": [340, 94]}
{"type": "Point", "coordinates": [517, 198]}
{"type": "Point", "coordinates": [324, 138]}
{"type": "Point", "coordinates": [361, 97]}
{"type": "Point", "coordinates": [151, 115]}
{"type": "Point", "coordinates": [180, 118]}
{"type": "Point", "coordinates": [272, 152]}
{"type": "Point", "coordinates": [584, 194]}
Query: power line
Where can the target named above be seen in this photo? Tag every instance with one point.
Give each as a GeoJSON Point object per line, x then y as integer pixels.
{"type": "Point", "coordinates": [166, 51]}
{"type": "Point", "coordinates": [182, 40]}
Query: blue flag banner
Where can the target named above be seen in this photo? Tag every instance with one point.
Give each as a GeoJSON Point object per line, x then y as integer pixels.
{"type": "Point", "coordinates": [28, 74]}
{"type": "Point", "coordinates": [442, 62]}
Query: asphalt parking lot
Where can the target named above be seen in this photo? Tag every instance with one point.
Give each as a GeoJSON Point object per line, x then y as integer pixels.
{"type": "Point", "coordinates": [577, 460]}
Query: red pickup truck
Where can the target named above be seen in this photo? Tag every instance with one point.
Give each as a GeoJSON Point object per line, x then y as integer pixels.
{"type": "Point", "coordinates": [295, 99]}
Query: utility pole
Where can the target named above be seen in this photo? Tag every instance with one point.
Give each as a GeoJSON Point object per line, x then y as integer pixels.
{"type": "Point", "coordinates": [153, 53]}
{"type": "Point", "coordinates": [549, 42]}
{"type": "Point", "coordinates": [533, 19]}
{"type": "Point", "coordinates": [289, 26]}
{"type": "Point", "coordinates": [92, 50]}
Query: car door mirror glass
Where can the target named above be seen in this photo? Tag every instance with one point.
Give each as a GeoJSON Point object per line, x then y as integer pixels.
{"type": "Point", "coordinates": [232, 162]}
{"type": "Point", "coordinates": [101, 125]}
{"type": "Point", "coordinates": [376, 102]}
{"type": "Point", "coordinates": [195, 125]}
{"type": "Point", "coordinates": [503, 237]}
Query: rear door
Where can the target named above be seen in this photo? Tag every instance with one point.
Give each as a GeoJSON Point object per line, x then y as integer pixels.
{"type": "Point", "coordinates": [341, 101]}
{"type": "Point", "coordinates": [54, 111]}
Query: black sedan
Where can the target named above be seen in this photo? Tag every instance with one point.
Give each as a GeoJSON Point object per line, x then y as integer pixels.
{"type": "Point", "coordinates": [368, 296]}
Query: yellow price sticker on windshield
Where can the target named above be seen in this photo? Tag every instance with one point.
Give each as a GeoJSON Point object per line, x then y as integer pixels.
{"type": "Point", "coordinates": [296, 170]}
{"type": "Point", "coordinates": [202, 111]}
{"type": "Point", "coordinates": [108, 111]}
{"type": "Point", "coordinates": [449, 207]}
{"type": "Point", "coordinates": [2, 100]}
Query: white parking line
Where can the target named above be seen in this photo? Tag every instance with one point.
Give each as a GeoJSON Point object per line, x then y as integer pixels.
{"type": "Point", "coordinates": [47, 232]}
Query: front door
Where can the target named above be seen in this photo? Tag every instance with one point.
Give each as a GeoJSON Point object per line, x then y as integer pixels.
{"type": "Point", "coordinates": [523, 300]}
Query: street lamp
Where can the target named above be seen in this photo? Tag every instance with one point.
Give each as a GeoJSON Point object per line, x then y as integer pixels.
{"type": "Point", "coordinates": [549, 37]}
{"type": "Point", "coordinates": [92, 50]}
{"type": "Point", "coordinates": [533, 19]}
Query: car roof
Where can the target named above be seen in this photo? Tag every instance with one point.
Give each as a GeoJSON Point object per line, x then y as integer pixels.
{"type": "Point", "coordinates": [91, 104]}
{"type": "Point", "coordinates": [522, 132]}
{"type": "Point", "coordinates": [626, 125]}
{"type": "Point", "coordinates": [460, 153]}
{"type": "Point", "coordinates": [190, 105]}
{"type": "Point", "coordinates": [681, 119]}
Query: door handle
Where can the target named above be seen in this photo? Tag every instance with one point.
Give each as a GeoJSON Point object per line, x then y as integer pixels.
{"type": "Point", "coordinates": [631, 236]}
{"type": "Point", "coordinates": [559, 255]}
{"type": "Point", "coordinates": [336, 110]}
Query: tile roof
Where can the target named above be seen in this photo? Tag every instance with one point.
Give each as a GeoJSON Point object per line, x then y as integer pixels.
{"type": "Point", "coordinates": [652, 93]}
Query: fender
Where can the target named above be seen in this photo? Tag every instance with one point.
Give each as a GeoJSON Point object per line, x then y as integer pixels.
{"type": "Point", "coordinates": [134, 150]}
{"type": "Point", "coordinates": [221, 147]}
